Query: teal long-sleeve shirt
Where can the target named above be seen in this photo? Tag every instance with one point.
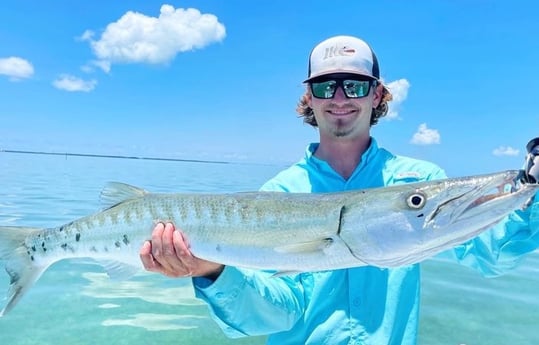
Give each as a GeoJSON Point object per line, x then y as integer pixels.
{"type": "Point", "coordinates": [364, 305]}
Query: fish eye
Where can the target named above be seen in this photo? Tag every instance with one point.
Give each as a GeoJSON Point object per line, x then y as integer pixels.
{"type": "Point", "coordinates": [416, 200]}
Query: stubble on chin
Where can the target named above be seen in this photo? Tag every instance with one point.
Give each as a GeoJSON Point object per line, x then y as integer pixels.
{"type": "Point", "coordinates": [341, 130]}
{"type": "Point", "coordinates": [341, 133]}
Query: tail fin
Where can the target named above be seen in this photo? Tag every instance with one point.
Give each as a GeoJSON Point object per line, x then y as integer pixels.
{"type": "Point", "coordinates": [18, 263]}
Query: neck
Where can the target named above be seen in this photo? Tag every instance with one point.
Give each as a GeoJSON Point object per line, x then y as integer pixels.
{"type": "Point", "coordinates": [343, 156]}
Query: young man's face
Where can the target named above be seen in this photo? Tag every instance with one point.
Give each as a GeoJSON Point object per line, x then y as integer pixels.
{"type": "Point", "coordinates": [342, 116]}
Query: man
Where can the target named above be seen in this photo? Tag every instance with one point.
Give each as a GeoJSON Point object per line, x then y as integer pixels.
{"type": "Point", "coordinates": [364, 305]}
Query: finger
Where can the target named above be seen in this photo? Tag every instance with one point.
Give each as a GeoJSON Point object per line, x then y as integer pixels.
{"type": "Point", "coordinates": [160, 238]}
{"type": "Point", "coordinates": [146, 257]}
{"type": "Point", "coordinates": [173, 261]}
{"type": "Point", "coordinates": [184, 253]}
{"type": "Point", "coordinates": [146, 249]}
{"type": "Point", "coordinates": [157, 240]}
{"type": "Point", "coordinates": [181, 246]}
{"type": "Point", "coordinates": [168, 243]}
{"type": "Point", "coordinates": [165, 254]}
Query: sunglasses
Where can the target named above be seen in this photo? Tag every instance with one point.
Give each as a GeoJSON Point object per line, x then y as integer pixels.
{"type": "Point", "coordinates": [353, 88]}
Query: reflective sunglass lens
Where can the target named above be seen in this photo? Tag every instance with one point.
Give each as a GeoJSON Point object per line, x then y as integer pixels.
{"type": "Point", "coordinates": [352, 88]}
{"type": "Point", "coordinates": [324, 89]}
{"type": "Point", "coordinates": [356, 88]}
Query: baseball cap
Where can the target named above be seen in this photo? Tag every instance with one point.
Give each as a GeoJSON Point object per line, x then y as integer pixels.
{"type": "Point", "coordinates": [343, 54]}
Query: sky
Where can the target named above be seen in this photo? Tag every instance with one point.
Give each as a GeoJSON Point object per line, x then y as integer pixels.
{"type": "Point", "coordinates": [220, 79]}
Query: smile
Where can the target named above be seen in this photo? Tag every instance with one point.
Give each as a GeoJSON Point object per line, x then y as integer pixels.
{"type": "Point", "coordinates": [341, 112]}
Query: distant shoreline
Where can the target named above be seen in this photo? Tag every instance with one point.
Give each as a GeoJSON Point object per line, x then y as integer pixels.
{"type": "Point", "coordinates": [113, 156]}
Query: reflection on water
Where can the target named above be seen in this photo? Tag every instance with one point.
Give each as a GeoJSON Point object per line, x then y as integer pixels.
{"type": "Point", "coordinates": [101, 286]}
{"type": "Point", "coordinates": [108, 306]}
{"type": "Point", "coordinates": [159, 322]}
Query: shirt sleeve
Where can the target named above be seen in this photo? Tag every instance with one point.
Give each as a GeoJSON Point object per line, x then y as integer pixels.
{"type": "Point", "coordinates": [273, 303]}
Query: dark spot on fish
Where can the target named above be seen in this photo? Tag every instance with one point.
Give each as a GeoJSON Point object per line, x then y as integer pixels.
{"type": "Point", "coordinates": [32, 257]}
{"type": "Point", "coordinates": [93, 249]}
{"type": "Point", "coordinates": [43, 244]}
{"type": "Point", "coordinates": [218, 248]}
{"type": "Point", "coordinates": [117, 244]}
{"type": "Point", "coordinates": [420, 215]}
{"type": "Point", "coordinates": [106, 249]}
{"type": "Point", "coordinates": [14, 277]}
{"type": "Point", "coordinates": [328, 241]}
{"type": "Point", "coordinates": [44, 249]}
{"type": "Point", "coordinates": [77, 237]}
{"type": "Point", "coordinates": [64, 246]}
{"type": "Point", "coordinates": [61, 228]}
{"type": "Point", "coordinates": [125, 240]}
{"type": "Point", "coordinates": [33, 248]}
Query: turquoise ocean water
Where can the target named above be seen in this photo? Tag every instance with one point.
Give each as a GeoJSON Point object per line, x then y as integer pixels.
{"type": "Point", "coordinates": [75, 303]}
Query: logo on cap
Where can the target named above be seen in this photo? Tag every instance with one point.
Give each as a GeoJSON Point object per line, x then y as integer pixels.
{"type": "Point", "coordinates": [336, 51]}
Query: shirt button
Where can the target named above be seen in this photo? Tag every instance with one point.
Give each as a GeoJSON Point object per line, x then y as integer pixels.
{"type": "Point", "coordinates": [356, 302]}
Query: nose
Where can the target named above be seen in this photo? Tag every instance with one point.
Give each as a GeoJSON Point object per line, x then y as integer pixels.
{"type": "Point", "coordinates": [339, 95]}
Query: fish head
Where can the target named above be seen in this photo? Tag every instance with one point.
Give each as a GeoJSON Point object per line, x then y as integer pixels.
{"type": "Point", "coordinates": [471, 202]}
{"type": "Point", "coordinates": [409, 223]}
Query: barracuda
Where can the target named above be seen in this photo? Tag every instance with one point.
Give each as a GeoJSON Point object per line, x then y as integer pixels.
{"type": "Point", "coordinates": [285, 232]}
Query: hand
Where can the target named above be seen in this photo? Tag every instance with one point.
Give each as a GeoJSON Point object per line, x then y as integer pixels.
{"type": "Point", "coordinates": [531, 167]}
{"type": "Point", "coordinates": [168, 253]}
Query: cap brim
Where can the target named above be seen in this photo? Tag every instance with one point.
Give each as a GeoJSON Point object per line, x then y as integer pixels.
{"type": "Point", "coordinates": [328, 73]}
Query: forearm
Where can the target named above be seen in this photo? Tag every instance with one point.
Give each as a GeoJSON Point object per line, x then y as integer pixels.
{"type": "Point", "coordinates": [245, 302]}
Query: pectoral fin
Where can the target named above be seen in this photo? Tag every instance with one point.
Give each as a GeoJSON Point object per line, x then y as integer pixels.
{"type": "Point", "coordinates": [305, 247]}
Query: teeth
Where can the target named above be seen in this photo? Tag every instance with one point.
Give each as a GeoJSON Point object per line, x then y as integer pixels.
{"type": "Point", "coordinates": [340, 112]}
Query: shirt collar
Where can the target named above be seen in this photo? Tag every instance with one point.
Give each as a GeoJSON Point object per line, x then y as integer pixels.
{"type": "Point", "coordinates": [366, 157]}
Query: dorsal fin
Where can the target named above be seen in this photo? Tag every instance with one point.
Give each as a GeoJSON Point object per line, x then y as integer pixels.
{"type": "Point", "coordinates": [116, 192]}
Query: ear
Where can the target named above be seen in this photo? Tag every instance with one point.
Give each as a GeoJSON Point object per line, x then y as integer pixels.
{"type": "Point", "coordinates": [309, 98]}
{"type": "Point", "coordinates": [378, 94]}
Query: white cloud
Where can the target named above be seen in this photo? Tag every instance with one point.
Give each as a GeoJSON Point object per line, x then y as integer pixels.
{"type": "Point", "coordinates": [70, 83]}
{"type": "Point", "coordinates": [425, 136]}
{"type": "Point", "coordinates": [87, 35]}
{"type": "Point", "coordinates": [101, 64]}
{"type": "Point", "coordinates": [399, 90]}
{"type": "Point", "coordinates": [505, 151]}
{"type": "Point", "coordinates": [137, 38]}
{"type": "Point", "coordinates": [16, 68]}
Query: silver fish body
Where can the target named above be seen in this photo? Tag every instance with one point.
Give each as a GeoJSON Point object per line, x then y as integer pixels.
{"type": "Point", "coordinates": [285, 232]}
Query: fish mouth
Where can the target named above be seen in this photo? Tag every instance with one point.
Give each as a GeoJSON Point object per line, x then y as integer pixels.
{"type": "Point", "coordinates": [487, 195]}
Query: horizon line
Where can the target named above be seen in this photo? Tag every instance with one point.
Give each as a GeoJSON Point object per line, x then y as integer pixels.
{"type": "Point", "coordinates": [116, 156]}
